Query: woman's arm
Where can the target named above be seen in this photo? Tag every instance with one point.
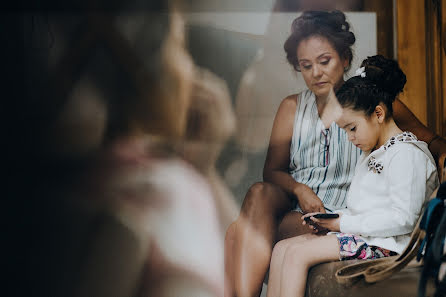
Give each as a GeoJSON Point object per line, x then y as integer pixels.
{"type": "Point", "coordinates": [407, 121]}
{"type": "Point", "coordinates": [278, 158]}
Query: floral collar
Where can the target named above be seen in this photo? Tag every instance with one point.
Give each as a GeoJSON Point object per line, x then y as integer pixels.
{"type": "Point", "coordinates": [377, 166]}
{"type": "Point", "coordinates": [402, 137]}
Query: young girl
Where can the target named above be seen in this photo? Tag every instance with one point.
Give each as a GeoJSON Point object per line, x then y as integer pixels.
{"type": "Point", "coordinates": [394, 176]}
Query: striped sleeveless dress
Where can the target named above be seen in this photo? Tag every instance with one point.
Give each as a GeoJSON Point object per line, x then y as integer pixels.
{"type": "Point", "coordinates": [323, 159]}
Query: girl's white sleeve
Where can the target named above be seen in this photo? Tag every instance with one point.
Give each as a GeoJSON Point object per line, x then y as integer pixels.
{"type": "Point", "coordinates": [407, 173]}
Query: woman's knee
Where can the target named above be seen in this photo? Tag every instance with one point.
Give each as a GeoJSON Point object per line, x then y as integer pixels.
{"type": "Point", "coordinates": [264, 199]}
{"type": "Point", "coordinates": [254, 202]}
{"type": "Point", "coordinates": [230, 233]}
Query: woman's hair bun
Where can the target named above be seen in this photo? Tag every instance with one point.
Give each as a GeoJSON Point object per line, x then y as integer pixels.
{"type": "Point", "coordinates": [335, 20]}
{"type": "Point", "coordinates": [331, 25]}
{"type": "Point", "coordinates": [385, 73]}
{"type": "Point", "coordinates": [339, 18]}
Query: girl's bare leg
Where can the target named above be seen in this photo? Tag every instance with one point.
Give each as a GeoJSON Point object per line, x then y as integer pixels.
{"type": "Point", "coordinates": [299, 257]}
{"type": "Point", "coordinates": [275, 269]}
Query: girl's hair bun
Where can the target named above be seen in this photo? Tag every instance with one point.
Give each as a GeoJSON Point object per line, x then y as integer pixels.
{"type": "Point", "coordinates": [386, 74]}
{"type": "Point", "coordinates": [380, 81]}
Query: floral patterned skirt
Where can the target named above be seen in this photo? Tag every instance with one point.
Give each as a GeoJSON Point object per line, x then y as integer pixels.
{"type": "Point", "coordinates": [354, 247]}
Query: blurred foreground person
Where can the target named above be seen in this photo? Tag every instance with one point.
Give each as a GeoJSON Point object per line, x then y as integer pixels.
{"type": "Point", "coordinates": [120, 213]}
{"type": "Point", "coordinates": [211, 121]}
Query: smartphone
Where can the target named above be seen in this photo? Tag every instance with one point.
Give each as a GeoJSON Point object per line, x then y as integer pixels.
{"type": "Point", "coordinates": [323, 216]}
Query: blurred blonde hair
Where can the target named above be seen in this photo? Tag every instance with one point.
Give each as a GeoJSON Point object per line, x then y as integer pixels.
{"type": "Point", "coordinates": [211, 122]}
{"type": "Point", "coordinates": [147, 94]}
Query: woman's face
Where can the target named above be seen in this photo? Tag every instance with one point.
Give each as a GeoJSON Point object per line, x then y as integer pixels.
{"type": "Point", "coordinates": [321, 66]}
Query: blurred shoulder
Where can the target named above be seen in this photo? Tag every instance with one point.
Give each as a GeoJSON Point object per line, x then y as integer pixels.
{"type": "Point", "coordinates": [141, 171]}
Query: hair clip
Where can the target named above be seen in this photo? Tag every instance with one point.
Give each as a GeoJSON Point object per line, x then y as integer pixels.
{"type": "Point", "coordinates": [360, 72]}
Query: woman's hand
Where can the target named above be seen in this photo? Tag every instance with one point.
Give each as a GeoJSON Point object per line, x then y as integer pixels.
{"type": "Point", "coordinates": [329, 224]}
{"type": "Point", "coordinates": [308, 201]}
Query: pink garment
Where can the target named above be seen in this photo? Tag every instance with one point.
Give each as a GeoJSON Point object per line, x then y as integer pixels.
{"type": "Point", "coordinates": [171, 208]}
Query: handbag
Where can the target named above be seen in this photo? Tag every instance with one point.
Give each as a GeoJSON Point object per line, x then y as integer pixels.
{"type": "Point", "coordinates": [426, 241]}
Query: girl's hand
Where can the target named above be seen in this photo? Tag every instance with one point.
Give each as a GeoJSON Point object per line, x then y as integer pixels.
{"type": "Point", "coordinates": [329, 224]}
{"type": "Point", "coordinates": [314, 227]}
{"type": "Point", "coordinates": [308, 201]}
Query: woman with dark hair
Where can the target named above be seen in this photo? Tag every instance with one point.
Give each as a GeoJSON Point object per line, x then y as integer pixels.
{"type": "Point", "coordinates": [386, 193]}
{"type": "Point", "coordinates": [310, 162]}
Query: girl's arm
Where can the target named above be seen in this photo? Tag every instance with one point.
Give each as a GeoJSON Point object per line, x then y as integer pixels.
{"type": "Point", "coordinates": [278, 158]}
{"type": "Point", "coordinates": [409, 170]}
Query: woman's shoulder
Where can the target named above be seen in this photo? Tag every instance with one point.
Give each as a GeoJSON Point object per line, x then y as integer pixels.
{"type": "Point", "coordinates": [290, 100]}
{"type": "Point", "coordinates": [293, 99]}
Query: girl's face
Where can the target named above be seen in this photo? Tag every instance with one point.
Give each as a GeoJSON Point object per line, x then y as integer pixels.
{"type": "Point", "coordinates": [362, 131]}
{"type": "Point", "coordinates": [321, 66]}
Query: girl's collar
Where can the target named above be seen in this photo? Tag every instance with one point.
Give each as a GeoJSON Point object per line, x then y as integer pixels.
{"type": "Point", "coordinates": [405, 136]}
{"type": "Point", "coordinates": [376, 165]}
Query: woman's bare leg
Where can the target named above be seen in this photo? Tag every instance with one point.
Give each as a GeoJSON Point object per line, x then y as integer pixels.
{"type": "Point", "coordinates": [299, 257]}
{"type": "Point", "coordinates": [291, 226]}
{"type": "Point", "coordinates": [249, 240]}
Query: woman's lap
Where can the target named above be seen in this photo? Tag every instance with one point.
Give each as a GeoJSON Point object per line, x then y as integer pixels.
{"type": "Point", "coordinates": [291, 226]}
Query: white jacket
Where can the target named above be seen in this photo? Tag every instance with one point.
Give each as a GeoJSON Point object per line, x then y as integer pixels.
{"type": "Point", "coordinates": [388, 192]}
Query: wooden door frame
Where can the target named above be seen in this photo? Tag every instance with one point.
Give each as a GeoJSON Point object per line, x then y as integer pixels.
{"type": "Point", "coordinates": [420, 26]}
{"type": "Point", "coordinates": [435, 65]}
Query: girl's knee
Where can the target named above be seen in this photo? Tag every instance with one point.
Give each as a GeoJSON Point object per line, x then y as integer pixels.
{"type": "Point", "coordinates": [296, 254]}
{"type": "Point", "coordinates": [280, 248]}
